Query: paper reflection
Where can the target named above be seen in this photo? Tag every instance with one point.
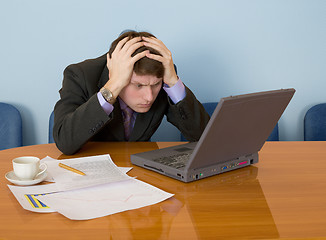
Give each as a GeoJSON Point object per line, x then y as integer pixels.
{"type": "Point", "coordinates": [231, 205]}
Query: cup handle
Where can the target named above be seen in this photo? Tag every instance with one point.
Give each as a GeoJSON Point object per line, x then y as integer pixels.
{"type": "Point", "coordinates": [45, 167]}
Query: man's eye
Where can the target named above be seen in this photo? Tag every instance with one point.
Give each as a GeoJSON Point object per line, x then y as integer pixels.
{"type": "Point", "coordinates": [157, 84]}
{"type": "Point", "coordinates": [137, 85]}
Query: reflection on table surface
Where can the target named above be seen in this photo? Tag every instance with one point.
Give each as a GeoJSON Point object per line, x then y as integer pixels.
{"type": "Point", "coordinates": [277, 198]}
{"type": "Point", "coordinates": [238, 207]}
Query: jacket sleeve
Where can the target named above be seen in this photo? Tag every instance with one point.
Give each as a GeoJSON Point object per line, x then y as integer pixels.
{"type": "Point", "coordinates": [189, 116]}
{"type": "Point", "coordinates": [78, 115]}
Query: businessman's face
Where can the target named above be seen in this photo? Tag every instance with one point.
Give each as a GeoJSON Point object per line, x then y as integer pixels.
{"type": "Point", "coordinates": [141, 92]}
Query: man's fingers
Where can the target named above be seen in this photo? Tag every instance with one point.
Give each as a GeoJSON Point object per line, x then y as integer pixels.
{"type": "Point", "coordinates": [155, 57]}
{"type": "Point", "coordinates": [130, 44]}
{"type": "Point", "coordinates": [125, 43]}
{"type": "Point", "coordinates": [140, 55]}
{"type": "Point", "coordinates": [153, 40]}
{"type": "Point", "coordinates": [134, 47]}
{"type": "Point", "coordinates": [121, 43]}
{"type": "Point", "coordinates": [157, 45]}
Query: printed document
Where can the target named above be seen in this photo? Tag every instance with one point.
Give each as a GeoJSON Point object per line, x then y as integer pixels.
{"type": "Point", "coordinates": [98, 169]}
{"type": "Point", "coordinates": [105, 189]}
{"type": "Point", "coordinates": [105, 199]}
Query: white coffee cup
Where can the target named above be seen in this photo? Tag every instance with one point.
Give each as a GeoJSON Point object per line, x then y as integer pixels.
{"type": "Point", "coordinates": [28, 168]}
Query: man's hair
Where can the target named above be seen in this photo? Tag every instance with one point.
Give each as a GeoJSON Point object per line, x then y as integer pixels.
{"type": "Point", "coordinates": [145, 65]}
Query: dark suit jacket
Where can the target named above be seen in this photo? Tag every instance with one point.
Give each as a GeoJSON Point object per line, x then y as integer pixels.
{"type": "Point", "coordinates": [79, 117]}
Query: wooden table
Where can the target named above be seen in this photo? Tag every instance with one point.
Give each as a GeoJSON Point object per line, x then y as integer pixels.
{"type": "Point", "coordinates": [283, 196]}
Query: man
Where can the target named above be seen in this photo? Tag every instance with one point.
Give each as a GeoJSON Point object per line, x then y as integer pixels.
{"type": "Point", "coordinates": [124, 95]}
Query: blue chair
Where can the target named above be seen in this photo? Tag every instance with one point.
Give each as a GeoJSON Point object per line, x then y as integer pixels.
{"type": "Point", "coordinates": [274, 135]}
{"type": "Point", "coordinates": [210, 107]}
{"type": "Point", "coordinates": [315, 123]}
{"type": "Point", "coordinates": [11, 135]}
{"type": "Point", "coordinates": [51, 121]}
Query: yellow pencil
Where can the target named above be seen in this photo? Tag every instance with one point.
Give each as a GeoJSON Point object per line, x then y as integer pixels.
{"type": "Point", "coordinates": [71, 169]}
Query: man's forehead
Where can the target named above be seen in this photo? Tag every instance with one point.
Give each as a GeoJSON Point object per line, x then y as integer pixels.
{"type": "Point", "coordinates": [145, 79]}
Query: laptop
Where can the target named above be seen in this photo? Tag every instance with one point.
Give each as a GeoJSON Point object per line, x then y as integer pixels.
{"type": "Point", "coordinates": [237, 130]}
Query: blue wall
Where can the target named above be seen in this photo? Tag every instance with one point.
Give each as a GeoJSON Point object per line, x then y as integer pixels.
{"type": "Point", "coordinates": [221, 48]}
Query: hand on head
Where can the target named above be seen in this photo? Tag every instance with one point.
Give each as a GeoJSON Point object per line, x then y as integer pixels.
{"type": "Point", "coordinates": [121, 61]}
{"type": "Point", "coordinates": [170, 77]}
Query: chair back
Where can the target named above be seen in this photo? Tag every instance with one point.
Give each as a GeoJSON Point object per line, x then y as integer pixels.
{"type": "Point", "coordinates": [11, 135]}
{"type": "Point", "coordinates": [51, 121]}
{"type": "Point", "coordinates": [315, 123]}
{"type": "Point", "coordinates": [274, 135]}
{"type": "Point", "coordinates": [210, 107]}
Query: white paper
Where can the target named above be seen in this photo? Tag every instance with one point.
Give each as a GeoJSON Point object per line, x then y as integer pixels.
{"type": "Point", "coordinates": [103, 200]}
{"type": "Point", "coordinates": [98, 169]}
{"type": "Point", "coordinates": [26, 196]}
{"type": "Point", "coordinates": [106, 189]}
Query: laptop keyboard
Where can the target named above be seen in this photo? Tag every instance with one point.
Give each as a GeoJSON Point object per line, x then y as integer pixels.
{"type": "Point", "coordinates": [175, 161]}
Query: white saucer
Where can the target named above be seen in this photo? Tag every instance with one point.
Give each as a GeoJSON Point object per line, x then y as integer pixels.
{"type": "Point", "coordinates": [11, 177]}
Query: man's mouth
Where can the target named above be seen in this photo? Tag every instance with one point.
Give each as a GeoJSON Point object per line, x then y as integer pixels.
{"type": "Point", "coordinates": [145, 105]}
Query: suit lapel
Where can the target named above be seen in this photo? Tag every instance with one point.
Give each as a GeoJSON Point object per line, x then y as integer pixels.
{"type": "Point", "coordinates": [104, 77]}
{"type": "Point", "coordinates": [116, 124]}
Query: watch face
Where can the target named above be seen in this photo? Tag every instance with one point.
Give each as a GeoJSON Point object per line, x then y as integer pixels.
{"type": "Point", "coordinates": [107, 95]}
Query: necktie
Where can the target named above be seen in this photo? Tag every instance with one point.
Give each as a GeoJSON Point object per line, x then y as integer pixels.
{"type": "Point", "coordinates": [128, 112]}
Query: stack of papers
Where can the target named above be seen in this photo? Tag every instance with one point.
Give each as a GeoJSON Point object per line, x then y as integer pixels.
{"type": "Point", "coordinates": [104, 190]}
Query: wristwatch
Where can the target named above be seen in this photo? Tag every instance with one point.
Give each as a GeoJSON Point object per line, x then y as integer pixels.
{"type": "Point", "coordinates": [107, 94]}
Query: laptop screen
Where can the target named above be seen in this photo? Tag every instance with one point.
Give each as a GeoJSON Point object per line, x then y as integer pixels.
{"type": "Point", "coordinates": [240, 126]}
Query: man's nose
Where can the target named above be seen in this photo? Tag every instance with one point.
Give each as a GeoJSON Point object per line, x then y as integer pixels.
{"type": "Point", "coordinates": [148, 94]}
